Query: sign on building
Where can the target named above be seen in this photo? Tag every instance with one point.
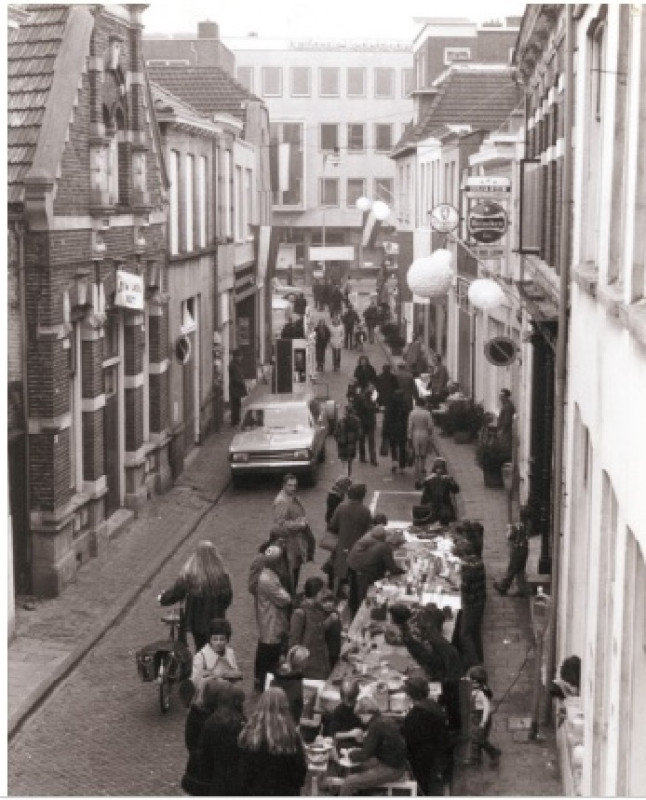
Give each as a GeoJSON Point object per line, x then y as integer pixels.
{"type": "Point", "coordinates": [487, 222]}
{"type": "Point", "coordinates": [130, 291]}
{"type": "Point", "coordinates": [492, 186]}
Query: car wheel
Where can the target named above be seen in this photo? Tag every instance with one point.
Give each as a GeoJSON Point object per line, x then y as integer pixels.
{"type": "Point", "coordinates": [237, 481]}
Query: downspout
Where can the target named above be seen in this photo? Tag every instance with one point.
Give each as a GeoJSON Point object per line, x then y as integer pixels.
{"type": "Point", "coordinates": [561, 345]}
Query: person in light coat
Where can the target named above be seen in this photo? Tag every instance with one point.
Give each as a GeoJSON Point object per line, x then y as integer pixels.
{"type": "Point", "coordinates": [420, 431]}
{"type": "Point", "coordinates": [289, 513]}
{"type": "Point", "coordinates": [337, 337]}
{"type": "Point", "coordinates": [273, 605]}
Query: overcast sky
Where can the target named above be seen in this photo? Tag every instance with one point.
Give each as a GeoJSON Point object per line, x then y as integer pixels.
{"type": "Point", "coordinates": [351, 19]}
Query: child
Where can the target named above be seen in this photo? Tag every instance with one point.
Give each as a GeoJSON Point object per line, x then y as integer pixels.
{"type": "Point", "coordinates": [481, 714]}
{"type": "Point", "coordinates": [360, 336]}
{"type": "Point", "coordinates": [518, 552]}
{"type": "Point", "coordinates": [289, 678]}
{"type": "Point", "coordinates": [216, 659]}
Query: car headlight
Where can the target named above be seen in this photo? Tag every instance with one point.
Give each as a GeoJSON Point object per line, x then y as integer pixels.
{"type": "Point", "coordinates": [239, 457]}
{"type": "Point", "coordinates": [301, 454]}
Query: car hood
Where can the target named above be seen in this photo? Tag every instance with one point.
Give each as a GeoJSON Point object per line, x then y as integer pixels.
{"type": "Point", "coordinates": [272, 439]}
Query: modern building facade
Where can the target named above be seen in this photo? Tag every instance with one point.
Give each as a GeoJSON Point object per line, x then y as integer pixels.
{"type": "Point", "coordinates": [337, 108]}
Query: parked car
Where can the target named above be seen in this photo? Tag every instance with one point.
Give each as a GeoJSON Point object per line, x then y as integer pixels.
{"type": "Point", "coordinates": [281, 433]}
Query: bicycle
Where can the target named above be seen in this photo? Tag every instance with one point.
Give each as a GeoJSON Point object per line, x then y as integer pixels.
{"type": "Point", "coordinates": [165, 662]}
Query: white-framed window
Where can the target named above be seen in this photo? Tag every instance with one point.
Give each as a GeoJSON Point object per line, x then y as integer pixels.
{"type": "Point", "coordinates": [356, 188]}
{"type": "Point", "coordinates": [292, 133]}
{"type": "Point", "coordinates": [329, 81]}
{"type": "Point", "coordinates": [301, 81]}
{"type": "Point", "coordinates": [189, 210]}
{"type": "Point", "coordinates": [329, 191]}
{"type": "Point", "coordinates": [456, 54]}
{"type": "Point", "coordinates": [384, 190]}
{"type": "Point", "coordinates": [248, 200]}
{"type": "Point", "coordinates": [383, 137]}
{"type": "Point", "coordinates": [384, 82]}
{"type": "Point", "coordinates": [408, 81]}
{"type": "Point", "coordinates": [239, 204]}
{"type": "Point", "coordinates": [228, 194]}
{"type": "Point", "coordinates": [328, 136]}
{"type": "Point", "coordinates": [356, 78]}
{"type": "Point", "coordinates": [272, 81]}
{"type": "Point", "coordinates": [201, 199]}
{"type": "Point", "coordinates": [245, 77]}
{"type": "Point", "coordinates": [173, 199]}
{"type": "Point", "coordinates": [356, 137]}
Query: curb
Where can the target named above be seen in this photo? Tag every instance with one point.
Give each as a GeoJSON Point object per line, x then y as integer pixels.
{"type": "Point", "coordinates": [118, 609]}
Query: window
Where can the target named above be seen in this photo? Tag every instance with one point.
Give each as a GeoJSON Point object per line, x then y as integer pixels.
{"type": "Point", "coordinates": [301, 82]}
{"type": "Point", "coordinates": [189, 210]}
{"type": "Point", "coordinates": [173, 197]}
{"type": "Point", "coordinates": [453, 54]}
{"type": "Point", "coordinates": [356, 77]}
{"type": "Point", "coordinates": [384, 82]}
{"type": "Point", "coordinates": [201, 199]}
{"type": "Point", "coordinates": [245, 76]}
{"type": "Point", "coordinates": [356, 189]}
{"type": "Point", "coordinates": [421, 71]}
{"type": "Point", "coordinates": [329, 136]}
{"type": "Point", "coordinates": [329, 191]}
{"type": "Point", "coordinates": [356, 136]}
{"type": "Point", "coordinates": [329, 81]}
{"type": "Point", "coordinates": [239, 205]}
{"type": "Point", "coordinates": [248, 195]}
{"type": "Point", "coordinates": [383, 137]}
{"type": "Point", "coordinates": [228, 194]}
{"type": "Point", "coordinates": [272, 81]}
{"type": "Point", "coordinates": [408, 81]}
{"type": "Point", "coordinates": [291, 133]}
{"type": "Point", "coordinates": [384, 190]}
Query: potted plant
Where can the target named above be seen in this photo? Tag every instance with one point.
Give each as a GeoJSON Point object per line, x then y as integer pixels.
{"type": "Point", "coordinates": [465, 418]}
{"type": "Point", "coordinates": [491, 454]}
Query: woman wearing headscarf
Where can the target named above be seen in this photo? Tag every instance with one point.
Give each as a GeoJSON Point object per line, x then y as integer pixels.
{"type": "Point", "coordinates": [438, 490]}
{"type": "Point", "coordinates": [272, 755]}
{"type": "Point", "coordinates": [205, 586]}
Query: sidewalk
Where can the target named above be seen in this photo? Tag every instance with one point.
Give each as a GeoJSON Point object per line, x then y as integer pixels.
{"type": "Point", "coordinates": [526, 767]}
{"type": "Point", "coordinates": [52, 636]}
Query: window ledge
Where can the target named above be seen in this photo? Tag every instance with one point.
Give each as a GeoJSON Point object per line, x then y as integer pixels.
{"type": "Point", "coordinates": [586, 277]}
{"type": "Point", "coordinates": [612, 299]}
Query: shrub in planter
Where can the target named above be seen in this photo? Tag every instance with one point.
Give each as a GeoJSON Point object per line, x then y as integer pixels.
{"type": "Point", "coordinates": [465, 418]}
{"type": "Point", "coordinates": [491, 454]}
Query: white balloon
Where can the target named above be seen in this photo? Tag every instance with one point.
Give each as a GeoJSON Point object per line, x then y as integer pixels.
{"type": "Point", "coordinates": [380, 210]}
{"type": "Point", "coordinates": [364, 204]}
{"type": "Point", "coordinates": [431, 276]}
{"type": "Point", "coordinates": [485, 294]}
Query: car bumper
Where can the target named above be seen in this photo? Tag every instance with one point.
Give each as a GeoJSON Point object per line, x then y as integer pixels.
{"type": "Point", "coordinates": [267, 468]}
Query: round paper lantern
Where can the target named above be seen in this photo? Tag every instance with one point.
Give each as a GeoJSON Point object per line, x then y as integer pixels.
{"type": "Point", "coordinates": [485, 294]}
{"type": "Point", "coordinates": [364, 204]}
{"type": "Point", "coordinates": [431, 276]}
{"type": "Point", "coordinates": [380, 210]}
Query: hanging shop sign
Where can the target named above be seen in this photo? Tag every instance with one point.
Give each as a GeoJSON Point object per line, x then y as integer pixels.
{"type": "Point", "coordinates": [487, 222]}
{"type": "Point", "coordinates": [493, 186]}
{"type": "Point", "coordinates": [500, 351]}
{"type": "Point", "coordinates": [130, 291]}
{"type": "Point", "coordinates": [183, 349]}
{"type": "Point", "coordinates": [444, 218]}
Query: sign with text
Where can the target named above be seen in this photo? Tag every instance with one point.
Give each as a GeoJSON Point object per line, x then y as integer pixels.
{"type": "Point", "coordinates": [130, 291]}
{"type": "Point", "coordinates": [487, 222]}
{"type": "Point", "coordinates": [488, 186]}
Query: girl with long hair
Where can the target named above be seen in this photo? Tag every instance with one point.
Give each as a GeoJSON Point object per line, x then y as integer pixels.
{"type": "Point", "coordinates": [272, 754]}
{"type": "Point", "coordinates": [219, 742]}
{"type": "Point", "coordinates": [205, 585]}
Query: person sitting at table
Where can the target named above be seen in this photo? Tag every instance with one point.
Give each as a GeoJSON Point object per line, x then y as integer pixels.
{"type": "Point", "coordinates": [383, 753]}
{"type": "Point", "coordinates": [427, 737]}
{"type": "Point", "coordinates": [370, 560]}
{"type": "Point", "coordinates": [343, 723]}
{"type": "Point", "coordinates": [437, 493]}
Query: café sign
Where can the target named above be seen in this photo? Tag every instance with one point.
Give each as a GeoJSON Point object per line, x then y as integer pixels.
{"type": "Point", "coordinates": [130, 291]}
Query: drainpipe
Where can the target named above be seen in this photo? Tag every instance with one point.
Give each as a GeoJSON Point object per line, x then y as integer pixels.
{"type": "Point", "coordinates": [561, 345]}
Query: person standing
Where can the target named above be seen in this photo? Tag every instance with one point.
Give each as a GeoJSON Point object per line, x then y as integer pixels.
{"type": "Point", "coordinates": [337, 334]}
{"type": "Point", "coordinates": [386, 384]}
{"type": "Point", "coordinates": [366, 409]}
{"type": "Point", "coordinates": [416, 356]}
{"type": "Point", "coordinates": [308, 627]}
{"type": "Point", "coordinates": [406, 383]}
{"type": "Point", "coordinates": [272, 755]}
{"type": "Point", "coordinates": [350, 521]}
{"type": "Point", "coordinates": [290, 514]}
{"type": "Point", "coordinates": [370, 560]}
{"type": "Point", "coordinates": [438, 381]}
{"type": "Point", "coordinates": [505, 426]}
{"type": "Point", "coordinates": [335, 301]}
{"type": "Point", "coordinates": [473, 593]}
{"type": "Point", "coordinates": [237, 387]}
{"type": "Point", "coordinates": [518, 551]}
{"type": "Point", "coordinates": [217, 658]}
{"type": "Point", "coordinates": [371, 316]}
{"type": "Point", "coordinates": [205, 586]}
{"type": "Point", "coordinates": [220, 752]}
{"type": "Point", "coordinates": [364, 372]}
{"type": "Point", "coordinates": [273, 605]}
{"type": "Point", "coordinates": [481, 713]}
{"type": "Point", "coordinates": [300, 304]}
{"type": "Point", "coordinates": [395, 429]}
{"type": "Point", "coordinates": [420, 431]}
{"type": "Point", "coordinates": [322, 333]}
{"type": "Point", "coordinates": [347, 435]}
{"type": "Point", "coordinates": [438, 490]}
{"type": "Point", "coordinates": [349, 320]}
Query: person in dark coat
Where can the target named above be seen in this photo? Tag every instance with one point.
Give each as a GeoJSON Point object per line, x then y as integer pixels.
{"type": "Point", "coordinates": [406, 383]}
{"type": "Point", "coordinates": [473, 594]}
{"type": "Point", "coordinates": [371, 316]}
{"type": "Point", "coordinates": [205, 587]}
{"type": "Point", "coordinates": [395, 429]}
{"type": "Point", "coordinates": [335, 300]}
{"type": "Point", "coordinates": [347, 435]}
{"type": "Point", "coordinates": [293, 329]}
{"type": "Point", "coordinates": [426, 734]}
{"type": "Point", "coordinates": [300, 304]}
{"type": "Point", "coordinates": [220, 752]}
{"type": "Point", "coordinates": [505, 424]}
{"type": "Point", "coordinates": [350, 521]}
{"type": "Point", "coordinates": [202, 706]}
{"type": "Point", "coordinates": [272, 755]}
{"type": "Point", "coordinates": [370, 560]}
{"type": "Point", "coordinates": [366, 409]}
{"type": "Point", "coordinates": [364, 372]}
{"type": "Point", "coordinates": [289, 678]}
{"type": "Point", "coordinates": [349, 319]}
{"type": "Point", "coordinates": [322, 334]}
{"type": "Point", "coordinates": [343, 719]}
{"type": "Point", "coordinates": [438, 490]}
{"type": "Point", "coordinates": [335, 497]}
{"type": "Point", "coordinates": [308, 627]}
{"type": "Point", "coordinates": [237, 387]}
{"type": "Point", "coordinates": [386, 385]}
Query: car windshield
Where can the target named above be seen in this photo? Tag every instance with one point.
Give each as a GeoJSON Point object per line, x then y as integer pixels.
{"type": "Point", "coordinates": [276, 417]}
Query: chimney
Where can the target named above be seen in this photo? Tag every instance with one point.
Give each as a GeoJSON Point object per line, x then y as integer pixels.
{"type": "Point", "coordinates": [208, 30]}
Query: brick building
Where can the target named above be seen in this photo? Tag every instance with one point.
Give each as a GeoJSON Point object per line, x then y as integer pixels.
{"type": "Point", "coordinates": [87, 200]}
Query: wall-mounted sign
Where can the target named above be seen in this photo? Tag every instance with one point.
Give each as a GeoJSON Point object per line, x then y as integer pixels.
{"type": "Point", "coordinates": [444, 218]}
{"type": "Point", "coordinates": [130, 291]}
{"type": "Point", "coordinates": [183, 349]}
{"type": "Point", "coordinates": [500, 351]}
{"type": "Point", "coordinates": [487, 222]}
{"type": "Point", "coordinates": [488, 186]}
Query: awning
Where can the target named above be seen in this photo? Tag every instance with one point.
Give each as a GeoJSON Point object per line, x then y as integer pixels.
{"type": "Point", "coordinates": [539, 304]}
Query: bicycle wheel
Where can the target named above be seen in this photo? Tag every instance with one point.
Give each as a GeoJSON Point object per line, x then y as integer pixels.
{"type": "Point", "coordinates": [164, 684]}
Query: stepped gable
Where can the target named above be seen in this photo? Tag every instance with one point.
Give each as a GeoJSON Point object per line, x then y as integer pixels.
{"type": "Point", "coordinates": [32, 50]}
{"type": "Point", "coordinates": [208, 90]}
{"type": "Point", "coordinates": [482, 97]}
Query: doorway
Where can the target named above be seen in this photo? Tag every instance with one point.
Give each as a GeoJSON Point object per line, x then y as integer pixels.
{"type": "Point", "coordinates": [112, 467]}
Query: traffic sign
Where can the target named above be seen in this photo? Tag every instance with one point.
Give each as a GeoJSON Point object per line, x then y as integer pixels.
{"type": "Point", "coordinates": [500, 351]}
{"type": "Point", "coordinates": [444, 218]}
{"type": "Point", "coordinates": [487, 221]}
